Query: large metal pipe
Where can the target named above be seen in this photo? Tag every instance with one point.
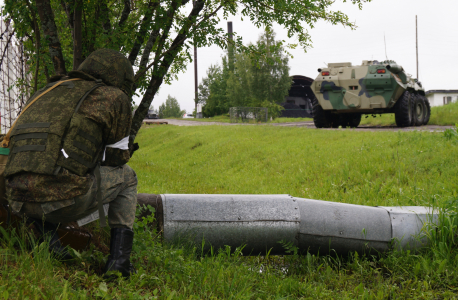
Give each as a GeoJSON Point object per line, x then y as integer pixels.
{"type": "Point", "coordinates": [260, 222]}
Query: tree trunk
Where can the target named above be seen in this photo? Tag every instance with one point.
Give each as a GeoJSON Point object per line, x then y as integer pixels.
{"type": "Point", "coordinates": [77, 34]}
{"type": "Point", "coordinates": [125, 13]}
{"type": "Point", "coordinates": [147, 19]}
{"type": "Point", "coordinates": [90, 34]}
{"type": "Point", "coordinates": [45, 68]}
{"type": "Point", "coordinates": [66, 8]}
{"type": "Point", "coordinates": [36, 29]}
{"type": "Point", "coordinates": [147, 50]}
{"type": "Point", "coordinates": [50, 30]}
{"type": "Point", "coordinates": [160, 70]}
{"type": "Point", "coordinates": [105, 18]}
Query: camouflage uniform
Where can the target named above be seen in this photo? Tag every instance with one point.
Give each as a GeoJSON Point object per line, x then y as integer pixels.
{"type": "Point", "coordinates": [119, 186]}
{"type": "Point", "coordinates": [67, 196]}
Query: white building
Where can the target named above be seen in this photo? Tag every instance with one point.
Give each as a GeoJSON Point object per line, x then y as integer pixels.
{"type": "Point", "coordinates": [442, 97]}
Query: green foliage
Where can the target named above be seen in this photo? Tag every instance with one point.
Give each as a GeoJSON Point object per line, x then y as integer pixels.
{"type": "Point", "coordinates": [171, 108]}
{"type": "Point", "coordinates": [451, 133]}
{"type": "Point", "coordinates": [273, 109]}
{"type": "Point", "coordinates": [254, 81]}
{"type": "Point", "coordinates": [95, 15]}
{"type": "Point", "coordinates": [157, 36]}
{"type": "Point", "coordinates": [212, 90]}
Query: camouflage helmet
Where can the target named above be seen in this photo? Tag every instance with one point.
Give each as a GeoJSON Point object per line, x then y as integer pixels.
{"type": "Point", "coordinates": [112, 67]}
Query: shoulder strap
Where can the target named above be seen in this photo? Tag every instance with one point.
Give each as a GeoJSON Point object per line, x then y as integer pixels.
{"type": "Point", "coordinates": [6, 139]}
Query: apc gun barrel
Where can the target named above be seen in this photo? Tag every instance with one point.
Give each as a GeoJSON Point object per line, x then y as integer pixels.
{"type": "Point", "coordinates": [260, 222]}
{"type": "Point", "coordinates": [395, 68]}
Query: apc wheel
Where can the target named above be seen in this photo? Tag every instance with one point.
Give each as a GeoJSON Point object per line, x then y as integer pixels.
{"type": "Point", "coordinates": [345, 120]}
{"type": "Point", "coordinates": [354, 120]}
{"type": "Point", "coordinates": [419, 111]}
{"type": "Point", "coordinates": [413, 101]}
{"type": "Point", "coordinates": [337, 120]}
{"type": "Point", "coordinates": [403, 110]}
{"type": "Point", "coordinates": [321, 118]}
{"type": "Point", "coordinates": [427, 110]}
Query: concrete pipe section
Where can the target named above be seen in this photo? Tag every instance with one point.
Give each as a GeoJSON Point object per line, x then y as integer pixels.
{"type": "Point", "coordinates": [260, 222]}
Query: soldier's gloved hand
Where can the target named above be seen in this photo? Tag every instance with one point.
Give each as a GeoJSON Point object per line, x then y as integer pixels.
{"type": "Point", "coordinates": [133, 148]}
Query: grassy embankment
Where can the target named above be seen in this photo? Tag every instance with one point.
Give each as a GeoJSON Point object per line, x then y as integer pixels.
{"type": "Point", "coordinates": [370, 168]}
{"type": "Point", "coordinates": [226, 119]}
{"type": "Point", "coordinates": [440, 115]}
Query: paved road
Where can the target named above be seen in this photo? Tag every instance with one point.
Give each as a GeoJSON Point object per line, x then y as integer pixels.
{"type": "Point", "coordinates": [308, 124]}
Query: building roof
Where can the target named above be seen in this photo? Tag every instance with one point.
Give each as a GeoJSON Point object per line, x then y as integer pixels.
{"type": "Point", "coordinates": [442, 91]}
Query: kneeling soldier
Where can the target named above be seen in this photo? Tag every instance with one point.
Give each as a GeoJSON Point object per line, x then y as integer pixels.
{"type": "Point", "coordinates": [68, 154]}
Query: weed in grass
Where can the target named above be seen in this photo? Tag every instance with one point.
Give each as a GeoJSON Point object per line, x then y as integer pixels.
{"type": "Point", "coordinates": [451, 133]}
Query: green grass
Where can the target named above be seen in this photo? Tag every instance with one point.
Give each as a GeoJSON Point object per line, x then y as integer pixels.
{"type": "Point", "coordinates": [444, 115]}
{"type": "Point", "coordinates": [221, 118]}
{"type": "Point", "coordinates": [440, 115]}
{"type": "Point", "coordinates": [226, 119]}
{"type": "Point", "coordinates": [371, 168]}
{"type": "Point", "coordinates": [288, 120]}
{"type": "Point", "coordinates": [379, 120]}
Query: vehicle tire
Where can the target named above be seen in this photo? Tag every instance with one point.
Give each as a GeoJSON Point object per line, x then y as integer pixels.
{"type": "Point", "coordinates": [354, 120]}
{"type": "Point", "coordinates": [403, 110]}
{"type": "Point", "coordinates": [413, 101]}
{"type": "Point", "coordinates": [336, 123]}
{"type": "Point", "coordinates": [419, 111]}
{"type": "Point", "coordinates": [427, 110]}
{"type": "Point", "coordinates": [336, 120]}
{"type": "Point", "coordinates": [321, 118]}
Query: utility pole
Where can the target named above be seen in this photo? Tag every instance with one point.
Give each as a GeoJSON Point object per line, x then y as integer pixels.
{"type": "Point", "coordinates": [416, 35]}
{"type": "Point", "coordinates": [230, 46]}
{"type": "Point", "coordinates": [196, 93]}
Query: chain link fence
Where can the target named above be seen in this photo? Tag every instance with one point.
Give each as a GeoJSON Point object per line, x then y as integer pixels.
{"type": "Point", "coordinates": [14, 77]}
{"type": "Point", "coordinates": [248, 114]}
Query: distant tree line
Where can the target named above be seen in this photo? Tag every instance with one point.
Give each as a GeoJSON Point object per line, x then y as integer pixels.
{"type": "Point", "coordinates": [170, 109]}
{"type": "Point", "coordinates": [248, 80]}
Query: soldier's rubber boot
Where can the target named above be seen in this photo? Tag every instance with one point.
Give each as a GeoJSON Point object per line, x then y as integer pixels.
{"type": "Point", "coordinates": [120, 249]}
{"type": "Point", "coordinates": [49, 230]}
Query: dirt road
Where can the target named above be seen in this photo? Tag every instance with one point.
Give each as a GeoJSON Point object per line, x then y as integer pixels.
{"type": "Point", "coordinates": [309, 124]}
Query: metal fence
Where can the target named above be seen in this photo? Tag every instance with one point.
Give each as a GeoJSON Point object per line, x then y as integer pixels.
{"type": "Point", "coordinates": [14, 78]}
{"type": "Point", "coordinates": [248, 114]}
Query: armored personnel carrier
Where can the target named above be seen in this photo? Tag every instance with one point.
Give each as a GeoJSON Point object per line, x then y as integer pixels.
{"type": "Point", "coordinates": [345, 92]}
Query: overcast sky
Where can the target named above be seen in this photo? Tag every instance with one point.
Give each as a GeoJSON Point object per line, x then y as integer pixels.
{"type": "Point", "coordinates": [394, 19]}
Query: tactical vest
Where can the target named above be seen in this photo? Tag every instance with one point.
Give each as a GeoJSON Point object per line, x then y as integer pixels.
{"type": "Point", "coordinates": [51, 134]}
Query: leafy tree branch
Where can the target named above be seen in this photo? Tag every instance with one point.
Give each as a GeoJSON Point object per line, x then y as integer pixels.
{"type": "Point", "coordinates": [162, 33]}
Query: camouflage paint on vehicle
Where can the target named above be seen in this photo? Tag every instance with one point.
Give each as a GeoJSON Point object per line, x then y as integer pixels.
{"type": "Point", "coordinates": [370, 86]}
